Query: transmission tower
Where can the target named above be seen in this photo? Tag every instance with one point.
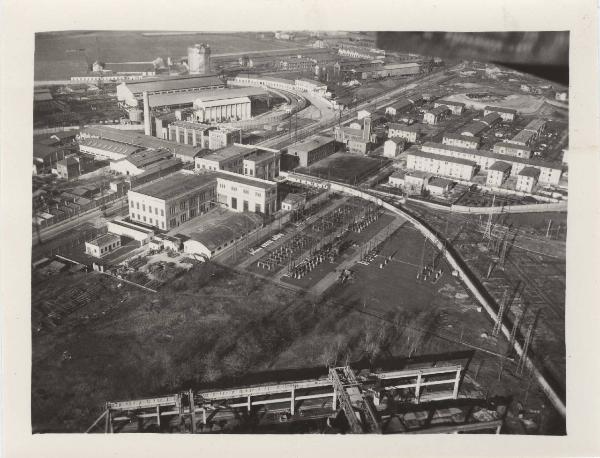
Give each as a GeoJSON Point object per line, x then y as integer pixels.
{"type": "Point", "coordinates": [500, 316]}
{"type": "Point", "coordinates": [528, 339]}
{"type": "Point", "coordinates": [487, 234]}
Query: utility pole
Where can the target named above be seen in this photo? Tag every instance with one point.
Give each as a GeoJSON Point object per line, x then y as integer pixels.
{"type": "Point", "coordinates": [528, 340]}
{"type": "Point", "coordinates": [548, 230]}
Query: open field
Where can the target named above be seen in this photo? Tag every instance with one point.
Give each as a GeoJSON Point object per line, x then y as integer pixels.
{"type": "Point", "coordinates": [346, 167]}
{"type": "Point", "coordinates": [57, 55]}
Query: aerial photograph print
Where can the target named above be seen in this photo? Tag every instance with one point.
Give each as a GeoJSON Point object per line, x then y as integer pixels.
{"type": "Point", "coordinates": [299, 232]}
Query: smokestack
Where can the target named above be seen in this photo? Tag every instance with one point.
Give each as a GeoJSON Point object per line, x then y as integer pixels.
{"type": "Point", "coordinates": [367, 129]}
{"type": "Point", "coordinates": [147, 121]}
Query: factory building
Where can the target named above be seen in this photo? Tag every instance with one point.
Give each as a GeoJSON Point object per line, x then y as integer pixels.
{"type": "Point", "coordinates": [393, 147]}
{"type": "Point", "coordinates": [262, 164]}
{"type": "Point", "coordinates": [315, 87]}
{"type": "Point", "coordinates": [103, 245]}
{"type": "Point", "coordinates": [139, 161]}
{"type": "Point", "coordinates": [527, 179]}
{"type": "Point", "coordinates": [456, 108]}
{"type": "Point", "coordinates": [507, 114]}
{"type": "Point", "coordinates": [463, 141]}
{"type": "Point", "coordinates": [312, 149]}
{"type": "Point", "coordinates": [498, 173]}
{"type": "Point", "coordinates": [106, 149]}
{"type": "Point", "coordinates": [68, 168]}
{"type": "Point", "coordinates": [220, 106]}
{"type": "Point", "coordinates": [410, 133]}
{"type": "Point", "coordinates": [172, 200]}
{"type": "Point", "coordinates": [189, 133]}
{"type": "Point", "coordinates": [550, 173]}
{"type": "Point", "coordinates": [436, 115]}
{"type": "Point", "coordinates": [199, 59]}
{"type": "Point", "coordinates": [293, 202]}
{"type": "Point", "coordinates": [210, 241]}
{"type": "Point", "coordinates": [399, 107]}
{"type": "Point", "coordinates": [263, 81]}
{"type": "Point", "coordinates": [245, 194]}
{"type": "Point", "coordinates": [231, 159]}
{"type": "Point", "coordinates": [134, 139]}
{"type": "Point", "coordinates": [512, 149]}
{"type": "Point", "coordinates": [130, 93]}
{"type": "Point", "coordinates": [222, 137]}
{"type": "Point", "coordinates": [400, 69]}
{"type": "Point", "coordinates": [462, 169]}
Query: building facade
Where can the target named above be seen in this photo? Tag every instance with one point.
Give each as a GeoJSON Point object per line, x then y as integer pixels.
{"type": "Point", "coordinates": [262, 164]}
{"type": "Point", "coordinates": [103, 245]}
{"type": "Point", "coordinates": [498, 173]}
{"type": "Point", "coordinates": [393, 147]}
{"type": "Point", "coordinates": [527, 179]}
{"type": "Point", "coordinates": [507, 114]}
{"type": "Point", "coordinates": [437, 164]}
{"type": "Point", "coordinates": [512, 149]}
{"type": "Point", "coordinates": [244, 194]}
{"type": "Point", "coordinates": [456, 108]}
{"type": "Point", "coordinates": [312, 149]}
{"type": "Point", "coordinates": [462, 141]}
{"type": "Point", "coordinates": [172, 200]}
{"type": "Point", "coordinates": [409, 133]}
{"type": "Point", "coordinates": [436, 115]}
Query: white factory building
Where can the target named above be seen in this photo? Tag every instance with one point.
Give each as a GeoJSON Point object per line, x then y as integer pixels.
{"type": "Point", "coordinates": [245, 194]}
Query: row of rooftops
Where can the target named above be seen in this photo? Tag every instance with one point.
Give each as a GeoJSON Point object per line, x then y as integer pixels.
{"type": "Point", "coordinates": [441, 157]}
{"type": "Point", "coordinates": [466, 138]}
{"type": "Point", "coordinates": [138, 139]}
{"type": "Point", "coordinates": [490, 154]}
{"type": "Point", "coordinates": [173, 84]}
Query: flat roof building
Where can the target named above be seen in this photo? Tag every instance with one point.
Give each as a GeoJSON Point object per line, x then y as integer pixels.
{"type": "Point", "coordinates": [172, 200]}
{"type": "Point", "coordinates": [312, 149]}
{"type": "Point", "coordinates": [103, 245]}
{"type": "Point", "coordinates": [245, 194]}
{"type": "Point", "coordinates": [438, 164]}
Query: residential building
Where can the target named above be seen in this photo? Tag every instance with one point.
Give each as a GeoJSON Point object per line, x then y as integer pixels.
{"type": "Point", "coordinates": [436, 115]}
{"type": "Point", "coordinates": [245, 194]}
{"type": "Point", "coordinates": [462, 169]}
{"type": "Point", "coordinates": [507, 114]}
{"type": "Point", "coordinates": [463, 141]}
{"type": "Point", "coordinates": [550, 172]}
{"type": "Point", "coordinates": [456, 108]}
{"type": "Point", "coordinates": [415, 181]}
{"type": "Point", "coordinates": [358, 146]}
{"type": "Point", "coordinates": [512, 149]}
{"type": "Point", "coordinates": [491, 119]}
{"type": "Point", "coordinates": [103, 245]}
{"type": "Point", "coordinates": [172, 200]}
{"type": "Point", "coordinates": [527, 178]}
{"type": "Point", "coordinates": [410, 133]}
{"type": "Point", "coordinates": [312, 149]}
{"type": "Point", "coordinates": [393, 147]}
{"type": "Point", "coordinates": [473, 129]}
{"type": "Point", "coordinates": [396, 179]}
{"type": "Point", "coordinates": [498, 173]}
{"type": "Point", "coordinates": [439, 186]}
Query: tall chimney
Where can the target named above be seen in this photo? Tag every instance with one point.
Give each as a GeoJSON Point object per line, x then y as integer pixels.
{"type": "Point", "coordinates": [147, 120]}
{"type": "Point", "coordinates": [367, 129]}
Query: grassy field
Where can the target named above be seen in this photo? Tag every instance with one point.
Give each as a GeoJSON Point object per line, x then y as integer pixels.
{"type": "Point", "coordinates": [57, 55]}
{"type": "Point", "coordinates": [349, 168]}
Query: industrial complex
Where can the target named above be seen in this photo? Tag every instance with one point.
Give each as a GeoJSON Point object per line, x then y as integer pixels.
{"type": "Point", "coordinates": [329, 237]}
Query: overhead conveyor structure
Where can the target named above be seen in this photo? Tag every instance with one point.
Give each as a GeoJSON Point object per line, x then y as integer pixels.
{"type": "Point", "coordinates": [360, 399]}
